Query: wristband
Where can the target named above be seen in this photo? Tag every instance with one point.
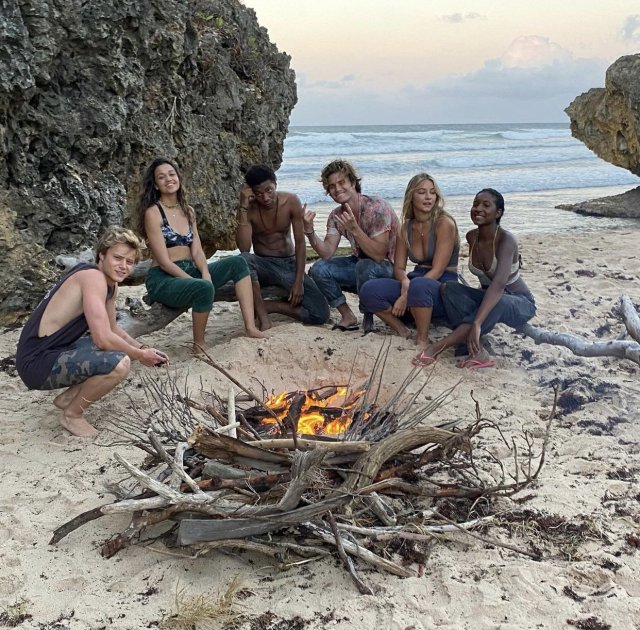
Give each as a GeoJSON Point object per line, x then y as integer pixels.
{"type": "Point", "coordinates": [144, 346]}
{"type": "Point", "coordinates": [241, 208]}
{"type": "Point", "coordinates": [310, 233]}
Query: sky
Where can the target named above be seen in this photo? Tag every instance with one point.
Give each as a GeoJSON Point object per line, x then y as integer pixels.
{"type": "Point", "coordinates": [446, 61]}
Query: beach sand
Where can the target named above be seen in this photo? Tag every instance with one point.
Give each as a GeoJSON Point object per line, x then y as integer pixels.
{"type": "Point", "coordinates": [591, 478]}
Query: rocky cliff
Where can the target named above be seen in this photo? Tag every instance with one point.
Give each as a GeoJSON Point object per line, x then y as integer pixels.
{"type": "Point", "coordinates": [607, 120]}
{"type": "Point", "coordinates": [91, 92]}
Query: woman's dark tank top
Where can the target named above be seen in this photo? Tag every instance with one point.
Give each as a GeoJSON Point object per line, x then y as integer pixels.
{"type": "Point", "coordinates": [431, 248]}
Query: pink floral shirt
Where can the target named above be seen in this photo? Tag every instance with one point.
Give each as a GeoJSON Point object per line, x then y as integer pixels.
{"type": "Point", "coordinates": [376, 217]}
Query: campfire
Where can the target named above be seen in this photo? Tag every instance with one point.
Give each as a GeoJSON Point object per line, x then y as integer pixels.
{"type": "Point", "coordinates": [327, 411]}
{"type": "Point", "coordinates": [331, 467]}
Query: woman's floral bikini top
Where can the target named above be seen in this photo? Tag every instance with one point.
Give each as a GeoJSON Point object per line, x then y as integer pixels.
{"type": "Point", "coordinates": [171, 237]}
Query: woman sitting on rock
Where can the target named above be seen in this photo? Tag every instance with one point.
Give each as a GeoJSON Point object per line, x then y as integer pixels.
{"type": "Point", "coordinates": [429, 238]}
{"type": "Point", "coordinates": [503, 296]}
{"type": "Point", "coordinates": [180, 276]}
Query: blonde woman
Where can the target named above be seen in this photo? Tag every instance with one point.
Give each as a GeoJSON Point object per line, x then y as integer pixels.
{"type": "Point", "coordinates": [428, 238]}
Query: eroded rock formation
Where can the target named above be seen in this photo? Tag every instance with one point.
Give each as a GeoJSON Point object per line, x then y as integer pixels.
{"type": "Point", "coordinates": [91, 92]}
{"type": "Point", "coordinates": [607, 119]}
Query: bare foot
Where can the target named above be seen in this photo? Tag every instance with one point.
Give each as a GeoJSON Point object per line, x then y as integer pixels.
{"type": "Point", "coordinates": [347, 322]}
{"type": "Point", "coordinates": [254, 333]}
{"type": "Point", "coordinates": [78, 426]}
{"type": "Point", "coordinates": [423, 342]}
{"type": "Point", "coordinates": [199, 348]}
{"type": "Point", "coordinates": [265, 324]}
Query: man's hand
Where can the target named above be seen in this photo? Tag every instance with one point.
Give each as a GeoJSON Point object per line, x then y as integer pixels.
{"type": "Point", "coordinates": [346, 219]}
{"type": "Point", "coordinates": [246, 196]}
{"type": "Point", "coordinates": [153, 358]}
{"type": "Point", "coordinates": [307, 219]}
{"type": "Point", "coordinates": [297, 293]}
{"type": "Point", "coordinates": [400, 306]}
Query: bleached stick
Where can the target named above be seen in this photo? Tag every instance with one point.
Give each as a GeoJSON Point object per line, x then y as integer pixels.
{"type": "Point", "coordinates": [228, 428]}
{"type": "Point", "coordinates": [231, 414]}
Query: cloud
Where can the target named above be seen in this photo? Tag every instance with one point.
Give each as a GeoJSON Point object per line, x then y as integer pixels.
{"type": "Point", "coordinates": [337, 84]}
{"type": "Point", "coordinates": [532, 67]}
{"type": "Point", "coordinates": [534, 52]}
{"type": "Point", "coordinates": [534, 80]}
{"type": "Point", "coordinates": [458, 18]}
{"type": "Point", "coordinates": [630, 31]}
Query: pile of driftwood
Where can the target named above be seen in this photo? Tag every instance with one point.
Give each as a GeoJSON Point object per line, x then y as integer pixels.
{"type": "Point", "coordinates": [382, 491]}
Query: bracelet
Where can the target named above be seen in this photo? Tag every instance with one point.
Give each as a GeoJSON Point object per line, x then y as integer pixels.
{"type": "Point", "coordinates": [243, 224]}
{"type": "Point", "coordinates": [243, 208]}
{"type": "Point", "coordinates": [310, 233]}
{"type": "Point", "coordinates": [144, 346]}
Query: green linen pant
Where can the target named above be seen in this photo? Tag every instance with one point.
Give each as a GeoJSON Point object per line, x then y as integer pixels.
{"type": "Point", "coordinates": [194, 292]}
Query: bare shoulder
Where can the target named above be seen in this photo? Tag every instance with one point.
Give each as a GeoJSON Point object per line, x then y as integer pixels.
{"type": "Point", "coordinates": [508, 238]}
{"type": "Point", "coordinates": [289, 201]}
{"type": "Point", "coordinates": [446, 223]}
{"type": "Point", "coordinates": [90, 282]}
{"type": "Point", "coordinates": [83, 285]}
{"type": "Point", "coordinates": [472, 235]}
{"type": "Point", "coordinates": [152, 213]}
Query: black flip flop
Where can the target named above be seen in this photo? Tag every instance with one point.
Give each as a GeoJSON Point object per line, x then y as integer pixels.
{"type": "Point", "coordinates": [342, 328]}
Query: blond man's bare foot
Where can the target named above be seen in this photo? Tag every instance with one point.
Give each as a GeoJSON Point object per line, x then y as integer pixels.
{"type": "Point", "coordinates": [78, 426]}
{"type": "Point", "coordinates": [254, 333]}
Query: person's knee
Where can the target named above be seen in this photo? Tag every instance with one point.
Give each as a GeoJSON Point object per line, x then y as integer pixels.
{"type": "Point", "coordinates": [249, 259]}
{"type": "Point", "coordinates": [422, 292]}
{"type": "Point", "coordinates": [370, 296]}
{"type": "Point", "coordinates": [241, 267]}
{"type": "Point", "coordinates": [320, 270]}
{"type": "Point", "coordinates": [203, 294]}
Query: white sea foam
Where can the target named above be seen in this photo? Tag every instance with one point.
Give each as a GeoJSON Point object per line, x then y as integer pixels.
{"type": "Point", "coordinates": [524, 158]}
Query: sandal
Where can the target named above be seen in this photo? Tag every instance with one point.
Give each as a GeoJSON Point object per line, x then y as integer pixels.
{"type": "Point", "coordinates": [476, 364]}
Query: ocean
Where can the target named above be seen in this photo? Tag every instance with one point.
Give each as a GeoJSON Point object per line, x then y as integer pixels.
{"type": "Point", "coordinates": [535, 166]}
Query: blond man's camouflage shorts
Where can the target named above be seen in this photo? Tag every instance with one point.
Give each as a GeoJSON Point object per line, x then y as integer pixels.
{"type": "Point", "coordinates": [81, 361]}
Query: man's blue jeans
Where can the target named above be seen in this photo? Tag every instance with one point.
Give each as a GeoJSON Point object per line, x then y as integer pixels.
{"type": "Point", "coordinates": [348, 273]}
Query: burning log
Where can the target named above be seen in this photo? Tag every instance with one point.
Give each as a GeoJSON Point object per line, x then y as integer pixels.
{"type": "Point", "coordinates": [214, 490]}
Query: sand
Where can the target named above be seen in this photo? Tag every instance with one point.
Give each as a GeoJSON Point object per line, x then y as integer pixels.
{"type": "Point", "coordinates": [591, 478]}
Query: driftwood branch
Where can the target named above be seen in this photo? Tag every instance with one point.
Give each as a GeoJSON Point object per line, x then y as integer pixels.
{"type": "Point", "coordinates": [346, 561]}
{"type": "Point", "coordinates": [360, 552]}
{"type": "Point", "coordinates": [579, 346]}
{"type": "Point", "coordinates": [621, 348]}
{"type": "Point", "coordinates": [630, 317]}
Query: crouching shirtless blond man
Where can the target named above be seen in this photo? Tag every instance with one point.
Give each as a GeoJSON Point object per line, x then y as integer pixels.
{"type": "Point", "coordinates": [72, 340]}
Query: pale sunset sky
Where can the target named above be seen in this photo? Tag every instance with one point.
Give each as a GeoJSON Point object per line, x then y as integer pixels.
{"type": "Point", "coordinates": [446, 61]}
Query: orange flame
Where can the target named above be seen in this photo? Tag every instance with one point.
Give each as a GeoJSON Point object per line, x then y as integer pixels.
{"type": "Point", "coordinates": [320, 415]}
